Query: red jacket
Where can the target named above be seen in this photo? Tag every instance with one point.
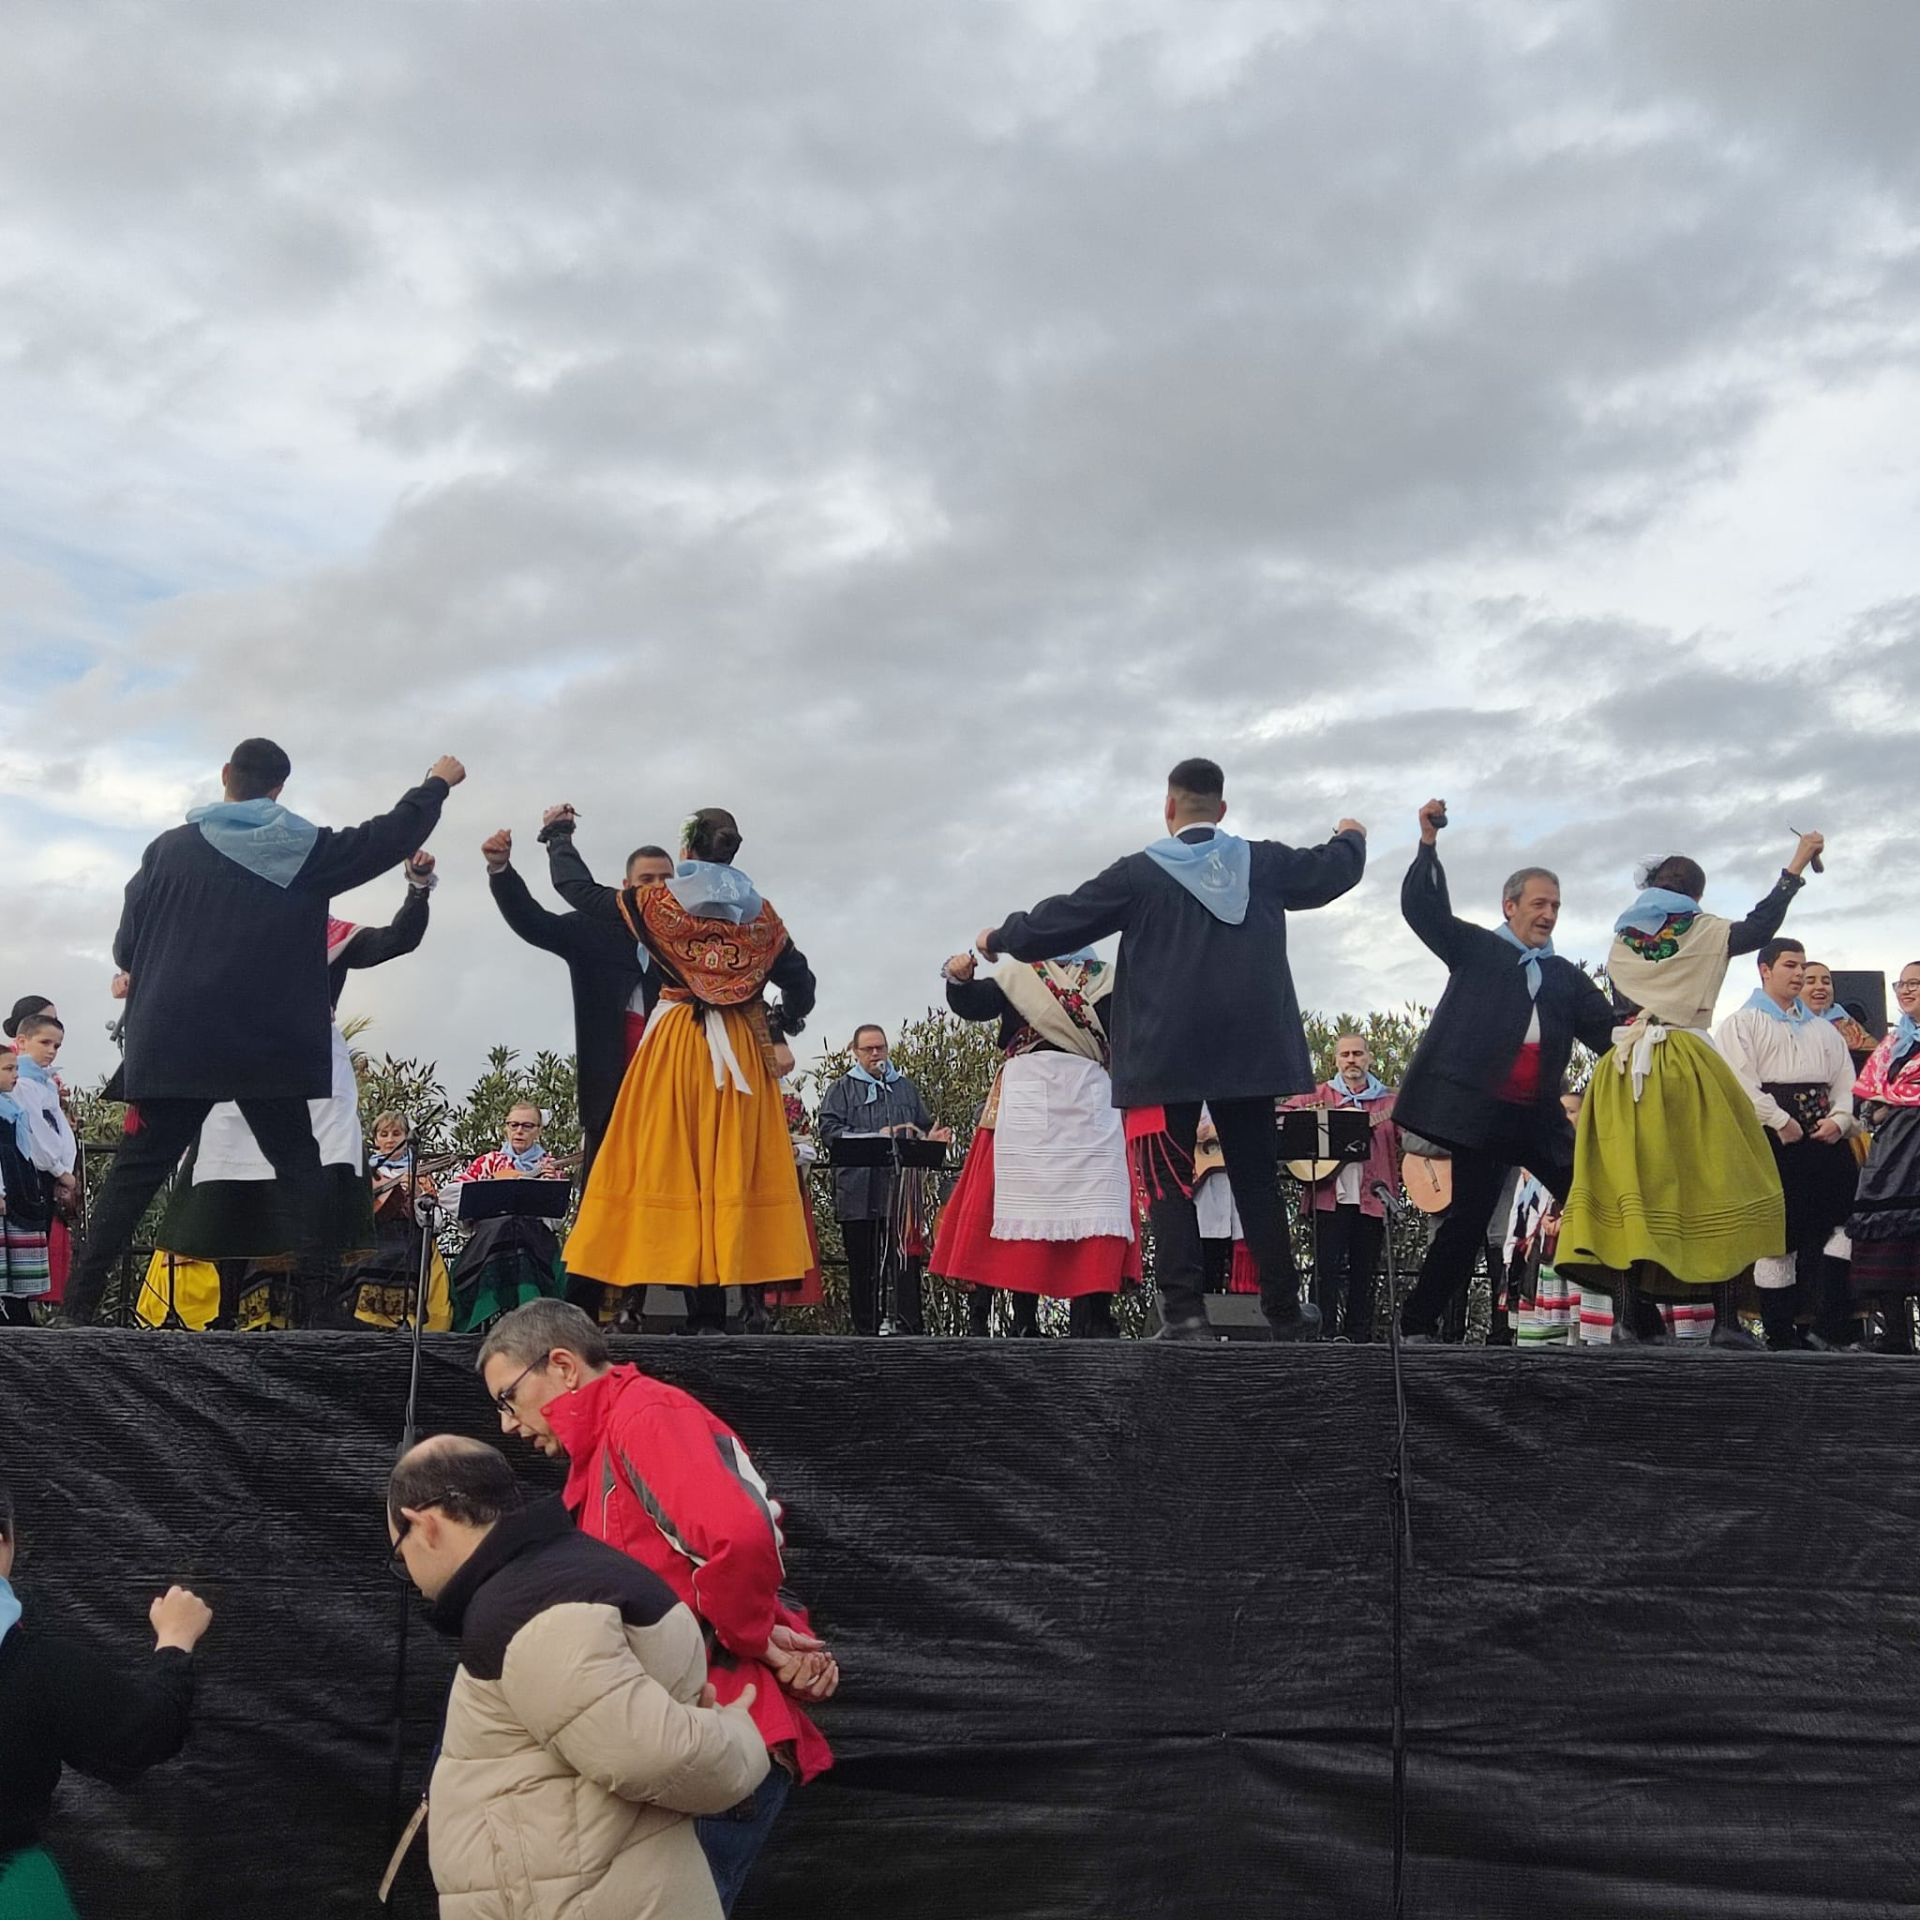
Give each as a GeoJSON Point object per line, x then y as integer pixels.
{"type": "Point", "coordinates": [656, 1475]}
{"type": "Point", "coordinates": [1383, 1150]}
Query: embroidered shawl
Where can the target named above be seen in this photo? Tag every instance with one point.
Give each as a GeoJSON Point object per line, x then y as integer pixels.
{"type": "Point", "coordinates": [719, 964]}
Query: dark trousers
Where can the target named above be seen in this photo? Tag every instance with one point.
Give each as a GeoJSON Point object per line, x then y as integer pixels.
{"type": "Point", "coordinates": [1346, 1257]}
{"type": "Point", "coordinates": [1026, 1312]}
{"type": "Point", "coordinates": [874, 1269]}
{"type": "Point", "coordinates": [1250, 1142]}
{"type": "Point", "coordinates": [284, 1130]}
{"type": "Point", "coordinates": [1478, 1175]}
{"type": "Point", "coordinates": [1820, 1290]}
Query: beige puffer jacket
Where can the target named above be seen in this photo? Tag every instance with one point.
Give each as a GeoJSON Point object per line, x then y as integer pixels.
{"type": "Point", "coordinates": [575, 1750]}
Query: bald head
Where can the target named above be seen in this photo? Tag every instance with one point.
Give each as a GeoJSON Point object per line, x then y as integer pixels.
{"type": "Point", "coordinates": [444, 1496]}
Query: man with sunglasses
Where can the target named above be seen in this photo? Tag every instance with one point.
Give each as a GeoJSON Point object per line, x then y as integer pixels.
{"type": "Point", "coordinates": [657, 1475]}
{"type": "Point", "coordinates": [580, 1732]}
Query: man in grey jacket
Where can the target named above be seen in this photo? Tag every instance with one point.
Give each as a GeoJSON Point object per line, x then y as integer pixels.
{"type": "Point", "coordinates": [875, 1097]}
{"type": "Point", "coordinates": [580, 1737]}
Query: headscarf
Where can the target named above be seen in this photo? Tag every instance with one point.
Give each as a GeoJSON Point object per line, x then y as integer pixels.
{"type": "Point", "coordinates": [12, 1111]}
{"type": "Point", "coordinates": [874, 1083]}
{"type": "Point", "coordinates": [1375, 1089]}
{"type": "Point", "coordinates": [260, 835]}
{"type": "Point", "coordinates": [1217, 871]}
{"type": "Point", "coordinates": [1760, 1002]}
{"type": "Point", "coordinates": [1653, 909]}
{"type": "Point", "coordinates": [1530, 957]}
{"type": "Point", "coordinates": [710, 891]}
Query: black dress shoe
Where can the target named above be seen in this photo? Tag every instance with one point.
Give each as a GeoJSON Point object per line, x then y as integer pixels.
{"type": "Point", "coordinates": [1303, 1323]}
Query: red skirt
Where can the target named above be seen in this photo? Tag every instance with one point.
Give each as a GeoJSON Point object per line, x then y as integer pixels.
{"type": "Point", "coordinates": [965, 1248]}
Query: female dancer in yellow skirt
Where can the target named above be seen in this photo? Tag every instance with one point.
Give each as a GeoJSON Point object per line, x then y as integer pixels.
{"type": "Point", "coordinates": [694, 1186]}
{"type": "Point", "coordinates": [1675, 1191]}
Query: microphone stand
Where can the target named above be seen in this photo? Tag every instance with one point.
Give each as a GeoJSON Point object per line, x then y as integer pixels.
{"type": "Point", "coordinates": [424, 1210]}
{"type": "Point", "coordinates": [1400, 1527]}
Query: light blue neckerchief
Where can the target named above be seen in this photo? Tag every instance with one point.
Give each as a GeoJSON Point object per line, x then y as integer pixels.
{"type": "Point", "coordinates": [1530, 957]}
{"type": "Point", "coordinates": [1217, 871]}
{"type": "Point", "coordinates": [400, 1160]}
{"type": "Point", "coordinates": [9, 1608]}
{"type": "Point", "coordinates": [11, 1109]}
{"type": "Point", "coordinates": [1655, 906]}
{"type": "Point", "coordinates": [1375, 1089]}
{"type": "Point", "coordinates": [1836, 1013]}
{"type": "Point", "coordinates": [710, 891]}
{"type": "Point", "coordinates": [1079, 957]}
{"type": "Point", "coordinates": [1906, 1036]}
{"type": "Point", "coordinates": [528, 1160]}
{"type": "Point", "coordinates": [34, 1071]}
{"type": "Point", "coordinates": [260, 835]}
{"type": "Point", "coordinates": [893, 1073]}
{"type": "Point", "coordinates": [1793, 1016]}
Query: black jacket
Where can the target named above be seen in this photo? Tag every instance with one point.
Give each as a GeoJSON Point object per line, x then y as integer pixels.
{"type": "Point", "coordinates": [1451, 1091]}
{"type": "Point", "coordinates": [1199, 1010]}
{"type": "Point", "coordinates": [530, 1561]}
{"type": "Point", "coordinates": [375, 946]}
{"type": "Point", "coordinates": [230, 995]}
{"type": "Point", "coordinates": [62, 1706]}
{"type": "Point", "coordinates": [603, 969]}
{"type": "Point", "coordinates": [854, 1106]}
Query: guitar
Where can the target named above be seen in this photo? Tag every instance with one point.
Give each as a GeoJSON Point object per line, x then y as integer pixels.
{"type": "Point", "coordinates": [1428, 1179]}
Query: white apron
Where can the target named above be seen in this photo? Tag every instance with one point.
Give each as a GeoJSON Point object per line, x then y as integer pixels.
{"type": "Point", "coordinates": [1059, 1152]}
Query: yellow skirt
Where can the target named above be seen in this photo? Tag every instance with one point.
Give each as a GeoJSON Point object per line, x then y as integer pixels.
{"type": "Point", "coordinates": [693, 1185]}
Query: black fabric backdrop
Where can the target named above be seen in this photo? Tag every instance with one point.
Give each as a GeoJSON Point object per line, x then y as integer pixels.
{"type": "Point", "coordinates": [1113, 1621]}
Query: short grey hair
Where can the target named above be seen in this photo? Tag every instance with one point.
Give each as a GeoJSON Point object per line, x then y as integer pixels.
{"type": "Point", "coordinates": [1517, 883]}
{"type": "Point", "coordinates": [528, 1334]}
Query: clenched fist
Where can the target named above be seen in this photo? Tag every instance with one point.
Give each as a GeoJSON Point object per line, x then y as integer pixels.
{"type": "Point", "coordinates": [497, 850]}
{"type": "Point", "coordinates": [447, 768]}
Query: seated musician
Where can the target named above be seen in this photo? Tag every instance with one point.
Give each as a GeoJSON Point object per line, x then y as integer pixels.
{"type": "Point", "coordinates": [1350, 1227]}
{"type": "Point", "coordinates": [379, 1290]}
{"type": "Point", "coordinates": [515, 1257]}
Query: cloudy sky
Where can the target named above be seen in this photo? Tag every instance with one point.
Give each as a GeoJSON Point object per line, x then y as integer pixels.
{"type": "Point", "coordinates": [915, 427]}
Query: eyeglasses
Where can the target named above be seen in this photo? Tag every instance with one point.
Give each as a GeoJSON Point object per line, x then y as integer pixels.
{"type": "Point", "coordinates": [395, 1564]}
{"type": "Point", "coordinates": [522, 1126]}
{"type": "Point", "coordinates": [504, 1398]}
{"type": "Point", "coordinates": [1906, 986]}
{"type": "Point", "coordinates": [878, 1049]}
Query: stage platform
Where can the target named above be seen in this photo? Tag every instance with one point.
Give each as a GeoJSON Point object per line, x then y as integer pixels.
{"type": "Point", "coordinates": [1114, 1621]}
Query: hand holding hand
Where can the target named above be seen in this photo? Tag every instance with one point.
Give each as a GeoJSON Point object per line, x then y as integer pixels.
{"type": "Point", "coordinates": [447, 768]}
{"type": "Point", "coordinates": [983, 943]}
{"type": "Point", "coordinates": [1792, 1134]}
{"type": "Point", "coordinates": [420, 867]}
{"type": "Point", "coordinates": [561, 816]}
{"type": "Point", "coordinates": [1433, 816]}
{"type": "Point", "coordinates": [497, 849]}
{"type": "Point", "coordinates": [179, 1618]}
{"type": "Point", "coordinates": [962, 966]}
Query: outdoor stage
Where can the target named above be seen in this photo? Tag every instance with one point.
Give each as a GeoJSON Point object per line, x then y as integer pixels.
{"type": "Point", "coordinates": [1114, 1621]}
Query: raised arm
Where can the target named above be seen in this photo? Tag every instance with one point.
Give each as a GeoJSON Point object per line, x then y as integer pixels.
{"type": "Point", "coordinates": [535, 924]}
{"type": "Point", "coordinates": [113, 1722]}
{"type": "Point", "coordinates": [977, 999]}
{"type": "Point", "coordinates": [1317, 876]}
{"type": "Point", "coordinates": [571, 880]}
{"type": "Point", "coordinates": [791, 974]}
{"type": "Point", "coordinates": [1425, 904]}
{"type": "Point", "coordinates": [1753, 933]}
{"type": "Point", "coordinates": [1066, 921]}
{"type": "Point", "coordinates": [348, 857]}
{"type": "Point", "coordinates": [374, 946]}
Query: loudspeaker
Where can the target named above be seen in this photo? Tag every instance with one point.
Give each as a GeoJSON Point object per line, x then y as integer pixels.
{"type": "Point", "coordinates": [1864, 995]}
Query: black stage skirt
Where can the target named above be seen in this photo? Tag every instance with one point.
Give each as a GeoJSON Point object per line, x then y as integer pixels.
{"type": "Point", "coordinates": [1885, 1223]}
{"type": "Point", "coordinates": [505, 1263]}
{"type": "Point", "coordinates": [1818, 1180]}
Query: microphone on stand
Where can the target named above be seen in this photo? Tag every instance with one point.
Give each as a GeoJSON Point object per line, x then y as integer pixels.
{"type": "Point", "coordinates": [1392, 1201]}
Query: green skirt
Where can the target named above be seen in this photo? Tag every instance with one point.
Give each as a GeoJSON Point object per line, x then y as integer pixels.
{"type": "Point", "coordinates": [31, 1888]}
{"type": "Point", "coordinates": [1678, 1187]}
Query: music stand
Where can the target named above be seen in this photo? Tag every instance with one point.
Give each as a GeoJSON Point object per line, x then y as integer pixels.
{"type": "Point", "coordinates": [1318, 1134]}
{"type": "Point", "coordinates": [900, 1154]}
{"type": "Point", "coordinates": [513, 1199]}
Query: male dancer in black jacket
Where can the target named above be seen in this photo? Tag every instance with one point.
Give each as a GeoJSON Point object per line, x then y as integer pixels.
{"type": "Point", "coordinates": [1203, 1012]}
{"type": "Point", "coordinates": [1486, 1078]}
